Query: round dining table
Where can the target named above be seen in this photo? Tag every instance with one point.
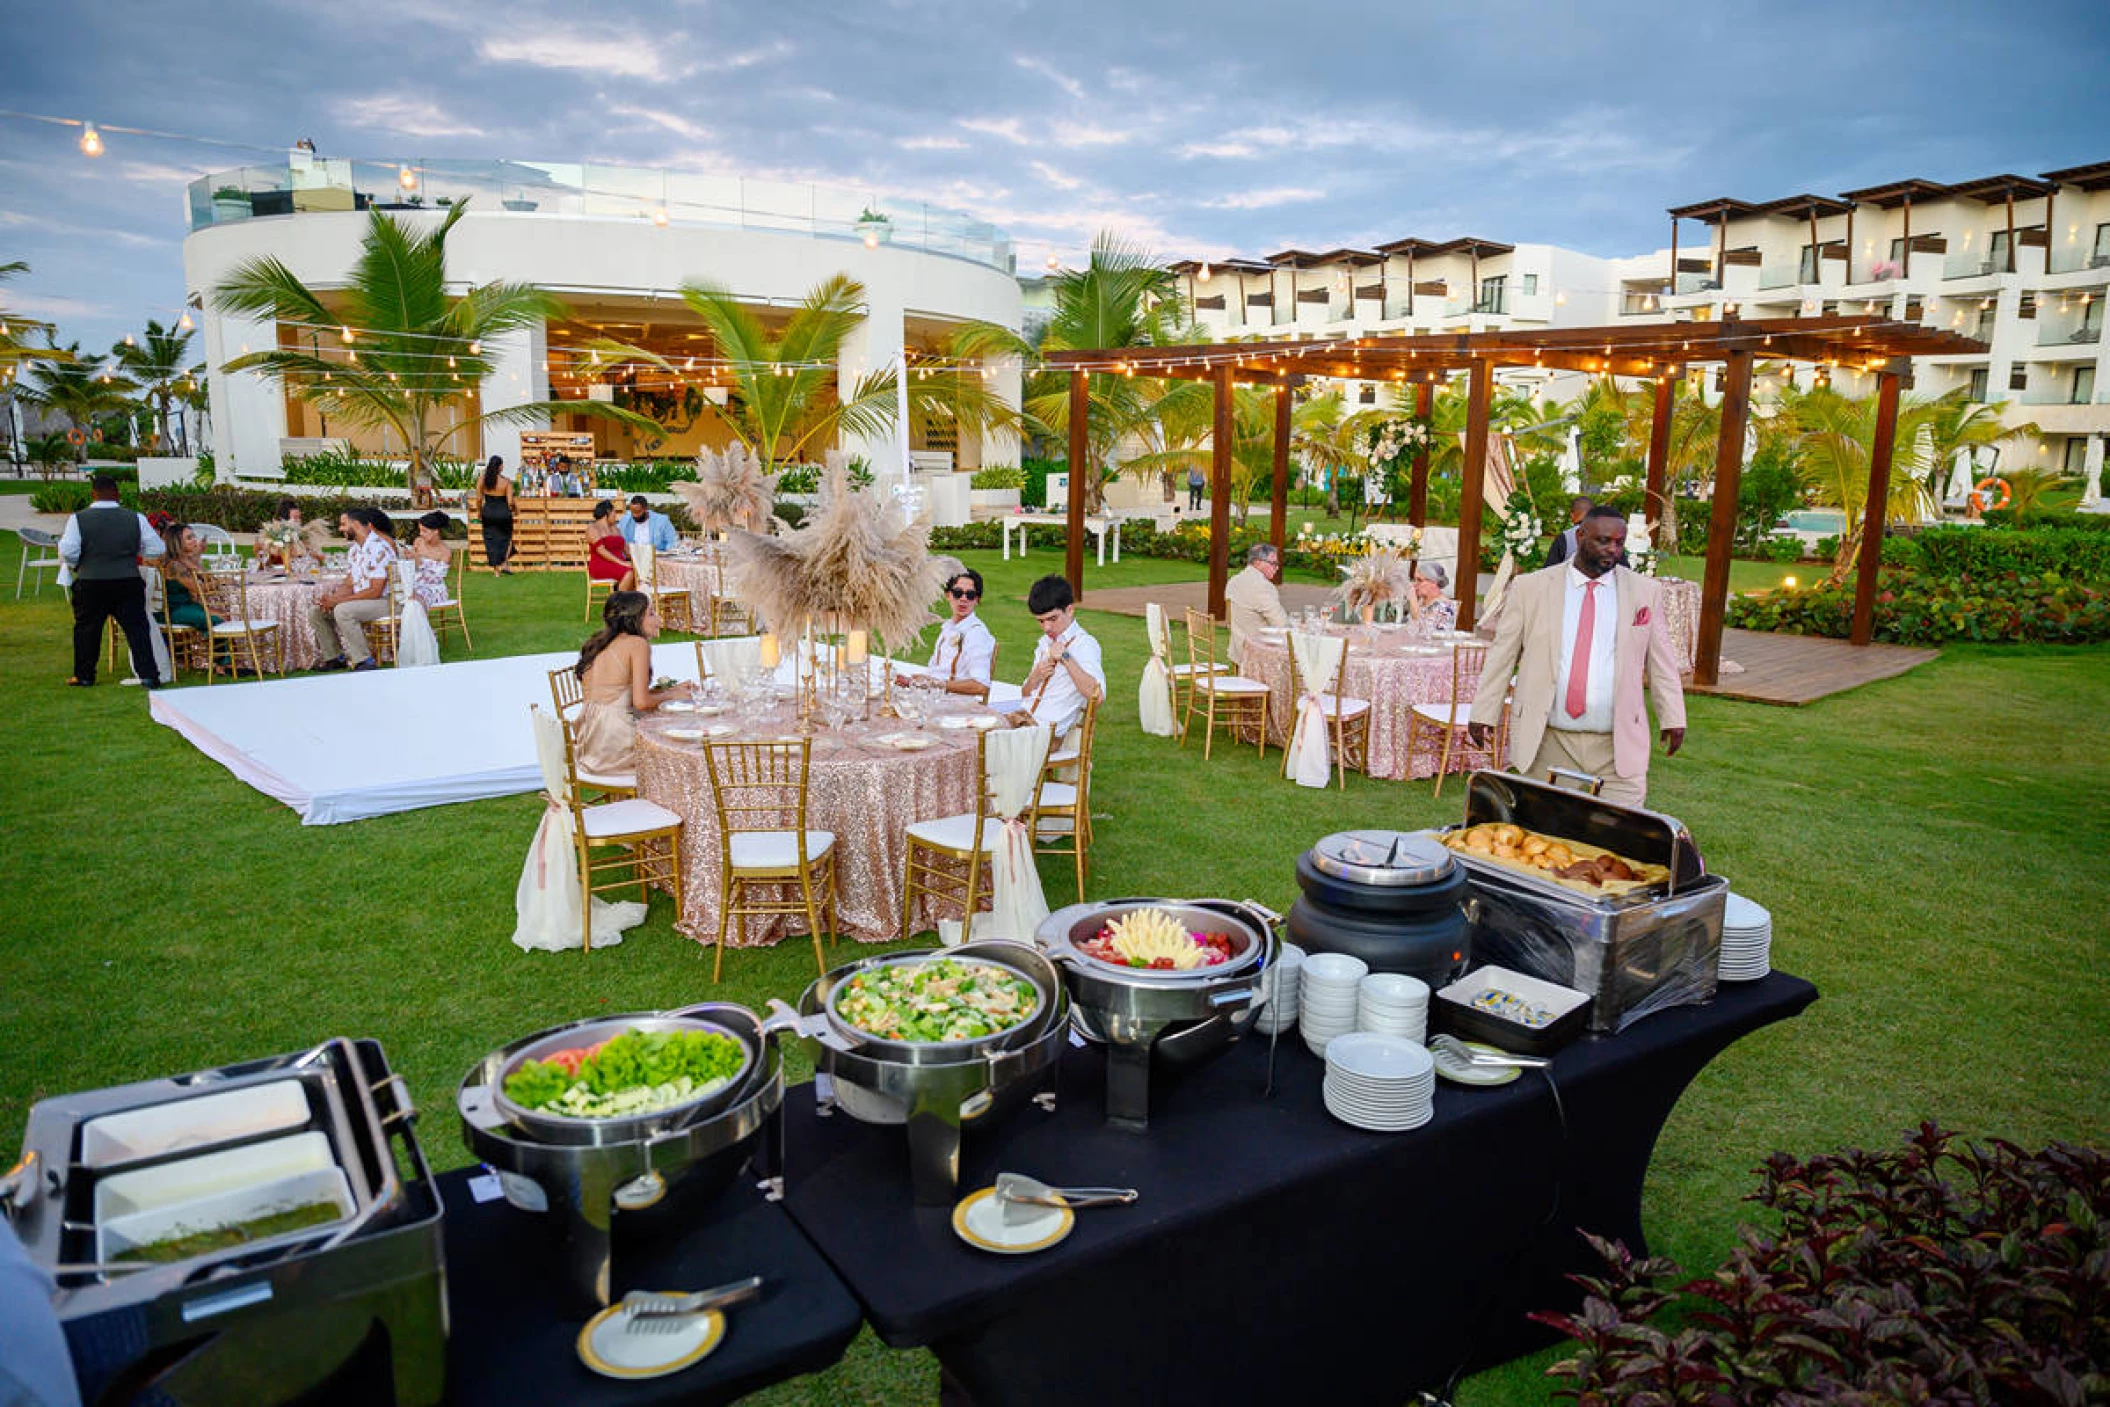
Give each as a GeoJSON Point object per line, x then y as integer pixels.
{"type": "Point", "coordinates": [284, 599]}
{"type": "Point", "coordinates": [1389, 665]}
{"type": "Point", "coordinates": [867, 782]}
{"type": "Point", "coordinates": [694, 573]}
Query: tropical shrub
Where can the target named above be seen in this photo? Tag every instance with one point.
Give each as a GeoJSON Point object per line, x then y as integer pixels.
{"type": "Point", "coordinates": [642, 476]}
{"type": "Point", "coordinates": [806, 478]}
{"type": "Point", "coordinates": [2077, 552]}
{"type": "Point", "coordinates": [1922, 608]}
{"type": "Point", "coordinates": [246, 510]}
{"type": "Point", "coordinates": [346, 468]}
{"type": "Point", "coordinates": [999, 476]}
{"type": "Point", "coordinates": [2047, 518]}
{"type": "Point", "coordinates": [1034, 492]}
{"type": "Point", "coordinates": [970, 537]}
{"type": "Point", "coordinates": [1938, 1273]}
{"type": "Point", "coordinates": [63, 496]}
{"type": "Point", "coordinates": [1771, 485]}
{"type": "Point", "coordinates": [1782, 547]}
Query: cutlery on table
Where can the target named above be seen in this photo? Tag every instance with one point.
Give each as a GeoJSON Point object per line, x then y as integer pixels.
{"type": "Point", "coordinates": [649, 1312]}
{"type": "Point", "coordinates": [1018, 1195]}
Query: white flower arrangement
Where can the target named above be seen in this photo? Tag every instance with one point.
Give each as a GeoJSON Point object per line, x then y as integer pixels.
{"type": "Point", "coordinates": [1519, 533]}
{"type": "Point", "coordinates": [1642, 560]}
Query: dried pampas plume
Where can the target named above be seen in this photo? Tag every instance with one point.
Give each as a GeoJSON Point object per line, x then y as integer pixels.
{"type": "Point", "coordinates": [859, 562]}
{"type": "Point", "coordinates": [1382, 578]}
{"type": "Point", "coordinates": [730, 491]}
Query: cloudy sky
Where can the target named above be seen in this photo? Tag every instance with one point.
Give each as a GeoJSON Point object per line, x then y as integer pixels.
{"type": "Point", "coordinates": [1195, 129]}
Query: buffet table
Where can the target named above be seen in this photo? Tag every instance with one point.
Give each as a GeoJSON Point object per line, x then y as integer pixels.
{"type": "Point", "coordinates": [1276, 1254]}
{"type": "Point", "coordinates": [513, 1341]}
{"type": "Point", "coordinates": [1393, 668]}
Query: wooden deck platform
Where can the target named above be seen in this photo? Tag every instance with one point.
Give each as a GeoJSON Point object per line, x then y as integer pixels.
{"type": "Point", "coordinates": [1800, 669]}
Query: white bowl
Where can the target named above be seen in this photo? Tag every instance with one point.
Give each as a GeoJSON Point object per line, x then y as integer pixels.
{"type": "Point", "coordinates": [1334, 968]}
{"type": "Point", "coordinates": [1395, 989]}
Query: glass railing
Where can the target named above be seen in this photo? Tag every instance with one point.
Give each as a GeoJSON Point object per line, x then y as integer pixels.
{"type": "Point", "coordinates": [1495, 300]}
{"type": "Point", "coordinates": [605, 192]}
{"type": "Point", "coordinates": [1779, 275]}
{"type": "Point", "coordinates": [2073, 258]}
{"type": "Point", "coordinates": [1697, 283]}
{"type": "Point", "coordinates": [2061, 332]}
{"type": "Point", "coordinates": [1972, 263]}
{"type": "Point", "coordinates": [2063, 395]}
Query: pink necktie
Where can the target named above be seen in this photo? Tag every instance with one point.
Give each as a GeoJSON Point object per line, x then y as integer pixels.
{"type": "Point", "coordinates": [1579, 662]}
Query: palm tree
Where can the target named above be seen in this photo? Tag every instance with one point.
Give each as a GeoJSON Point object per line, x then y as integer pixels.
{"type": "Point", "coordinates": [155, 363]}
{"type": "Point", "coordinates": [1329, 436]}
{"type": "Point", "coordinates": [1834, 434]}
{"type": "Point", "coordinates": [15, 330]}
{"type": "Point", "coordinates": [956, 394]}
{"type": "Point", "coordinates": [60, 381]}
{"type": "Point", "coordinates": [410, 353]}
{"type": "Point", "coordinates": [1953, 424]}
{"type": "Point", "coordinates": [786, 400]}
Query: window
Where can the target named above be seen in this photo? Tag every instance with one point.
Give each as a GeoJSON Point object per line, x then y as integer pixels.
{"type": "Point", "coordinates": [1978, 387]}
{"type": "Point", "coordinates": [1996, 252]}
{"type": "Point", "coordinates": [1897, 252]}
{"type": "Point", "coordinates": [2077, 456]}
{"type": "Point", "coordinates": [2018, 379]}
{"type": "Point", "coordinates": [1494, 295]}
{"type": "Point", "coordinates": [2091, 328]}
{"type": "Point", "coordinates": [1987, 319]}
{"type": "Point", "coordinates": [1366, 396]}
{"type": "Point", "coordinates": [1806, 267]}
{"type": "Point", "coordinates": [2083, 386]}
{"type": "Point", "coordinates": [2102, 247]}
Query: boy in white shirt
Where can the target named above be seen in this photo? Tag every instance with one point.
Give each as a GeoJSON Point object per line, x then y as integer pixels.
{"type": "Point", "coordinates": [1067, 669]}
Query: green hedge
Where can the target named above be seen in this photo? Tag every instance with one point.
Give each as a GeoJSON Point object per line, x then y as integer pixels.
{"type": "Point", "coordinates": [1923, 608]}
{"type": "Point", "coordinates": [1034, 494]}
{"type": "Point", "coordinates": [343, 469]}
{"type": "Point", "coordinates": [63, 496]}
{"type": "Point", "coordinates": [2047, 518]}
{"type": "Point", "coordinates": [2071, 551]}
{"type": "Point", "coordinates": [245, 511]}
{"type": "Point", "coordinates": [998, 476]}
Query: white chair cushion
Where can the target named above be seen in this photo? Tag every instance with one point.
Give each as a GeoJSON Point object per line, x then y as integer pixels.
{"type": "Point", "coordinates": [1057, 795]}
{"type": "Point", "coordinates": [1332, 704]}
{"type": "Point", "coordinates": [609, 779]}
{"type": "Point", "coordinates": [635, 816]}
{"type": "Point", "coordinates": [1183, 670]}
{"type": "Point", "coordinates": [1447, 715]}
{"type": "Point", "coordinates": [957, 832]}
{"type": "Point", "coordinates": [1066, 758]}
{"type": "Point", "coordinates": [244, 627]}
{"type": "Point", "coordinates": [1230, 684]}
{"type": "Point", "coordinates": [777, 850]}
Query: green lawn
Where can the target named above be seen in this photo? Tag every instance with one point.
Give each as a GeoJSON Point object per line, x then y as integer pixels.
{"type": "Point", "coordinates": [1931, 848]}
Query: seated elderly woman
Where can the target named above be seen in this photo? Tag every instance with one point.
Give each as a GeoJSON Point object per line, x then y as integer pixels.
{"type": "Point", "coordinates": [615, 672]}
{"type": "Point", "coordinates": [1427, 606]}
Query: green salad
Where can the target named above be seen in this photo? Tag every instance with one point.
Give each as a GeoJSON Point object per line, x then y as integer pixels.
{"type": "Point", "coordinates": [944, 999]}
{"type": "Point", "coordinates": [634, 1073]}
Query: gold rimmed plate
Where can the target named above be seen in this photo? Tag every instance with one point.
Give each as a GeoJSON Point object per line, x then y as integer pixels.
{"type": "Point", "coordinates": [613, 1348]}
{"type": "Point", "coordinates": [979, 1221]}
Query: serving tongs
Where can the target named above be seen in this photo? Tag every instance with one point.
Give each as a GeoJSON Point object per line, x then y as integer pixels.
{"type": "Point", "coordinates": [1018, 1195]}
{"type": "Point", "coordinates": [649, 1312]}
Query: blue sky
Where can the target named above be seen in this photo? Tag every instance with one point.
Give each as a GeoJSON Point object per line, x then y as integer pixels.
{"type": "Point", "coordinates": [1193, 129]}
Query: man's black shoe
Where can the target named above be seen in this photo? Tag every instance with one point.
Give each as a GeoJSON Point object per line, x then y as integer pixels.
{"type": "Point", "coordinates": [339, 663]}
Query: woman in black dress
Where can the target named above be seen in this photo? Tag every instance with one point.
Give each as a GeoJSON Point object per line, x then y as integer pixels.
{"type": "Point", "coordinates": [496, 513]}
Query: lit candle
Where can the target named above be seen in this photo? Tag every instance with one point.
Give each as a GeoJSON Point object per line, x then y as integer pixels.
{"type": "Point", "coordinates": [854, 647]}
{"type": "Point", "coordinates": [769, 651]}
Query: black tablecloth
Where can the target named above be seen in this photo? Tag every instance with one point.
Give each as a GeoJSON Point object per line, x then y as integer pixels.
{"type": "Point", "coordinates": [513, 1342]}
{"type": "Point", "coordinates": [1276, 1253]}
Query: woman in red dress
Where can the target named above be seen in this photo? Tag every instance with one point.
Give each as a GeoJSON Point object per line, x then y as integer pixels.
{"type": "Point", "coordinates": [607, 555]}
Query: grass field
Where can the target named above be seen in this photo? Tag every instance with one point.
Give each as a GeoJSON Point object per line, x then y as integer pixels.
{"type": "Point", "coordinates": [1931, 848]}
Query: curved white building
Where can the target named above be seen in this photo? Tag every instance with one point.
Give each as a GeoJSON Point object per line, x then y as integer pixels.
{"type": "Point", "coordinates": [616, 244]}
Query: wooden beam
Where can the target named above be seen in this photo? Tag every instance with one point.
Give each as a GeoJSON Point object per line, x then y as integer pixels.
{"type": "Point", "coordinates": [1673, 260]}
{"type": "Point", "coordinates": [1905, 264]}
{"type": "Point", "coordinates": [1721, 526]}
{"type": "Point", "coordinates": [1278, 517]}
{"type": "Point", "coordinates": [1652, 500]}
{"type": "Point", "coordinates": [1479, 389]}
{"type": "Point", "coordinates": [1220, 493]}
{"type": "Point", "coordinates": [1874, 515]}
{"type": "Point", "coordinates": [2011, 230]}
{"type": "Point", "coordinates": [1080, 466]}
{"type": "Point", "coordinates": [1418, 476]}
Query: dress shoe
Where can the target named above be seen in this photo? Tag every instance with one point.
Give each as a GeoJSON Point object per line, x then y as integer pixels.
{"type": "Point", "coordinates": [363, 666]}
{"type": "Point", "coordinates": [79, 683]}
{"type": "Point", "coordinates": [338, 663]}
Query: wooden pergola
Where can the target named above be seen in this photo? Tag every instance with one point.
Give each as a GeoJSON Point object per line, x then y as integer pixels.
{"type": "Point", "coordinates": [1658, 352]}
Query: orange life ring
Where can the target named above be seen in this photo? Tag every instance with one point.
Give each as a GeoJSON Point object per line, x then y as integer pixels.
{"type": "Point", "coordinates": [1980, 489]}
{"type": "Point", "coordinates": [96, 434]}
{"type": "Point", "coordinates": [75, 437]}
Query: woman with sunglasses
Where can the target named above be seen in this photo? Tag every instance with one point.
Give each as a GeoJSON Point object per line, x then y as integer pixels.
{"type": "Point", "coordinates": [966, 651]}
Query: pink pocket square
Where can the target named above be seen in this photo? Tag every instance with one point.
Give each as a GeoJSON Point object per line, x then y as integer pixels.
{"type": "Point", "coordinates": [1641, 616]}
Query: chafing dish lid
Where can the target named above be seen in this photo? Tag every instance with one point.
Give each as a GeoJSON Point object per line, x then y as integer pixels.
{"type": "Point", "coordinates": [1392, 859]}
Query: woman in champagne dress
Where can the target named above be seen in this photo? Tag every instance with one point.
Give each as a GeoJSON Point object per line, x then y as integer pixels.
{"type": "Point", "coordinates": [615, 672]}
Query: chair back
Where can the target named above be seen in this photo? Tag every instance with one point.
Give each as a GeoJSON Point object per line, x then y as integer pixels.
{"type": "Point", "coordinates": [226, 593]}
{"type": "Point", "coordinates": [566, 689]}
{"type": "Point", "coordinates": [646, 563]}
{"type": "Point", "coordinates": [1160, 633]}
{"type": "Point", "coordinates": [755, 784]}
{"type": "Point", "coordinates": [1009, 766]}
{"type": "Point", "coordinates": [553, 755]}
{"type": "Point", "coordinates": [1466, 661]}
{"type": "Point", "coordinates": [728, 660]}
{"type": "Point", "coordinates": [1201, 642]}
{"type": "Point", "coordinates": [218, 541]}
{"type": "Point", "coordinates": [1084, 732]}
{"type": "Point", "coordinates": [402, 582]}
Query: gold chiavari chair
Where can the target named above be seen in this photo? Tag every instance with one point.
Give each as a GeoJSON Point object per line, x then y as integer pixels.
{"type": "Point", "coordinates": [672, 603]}
{"type": "Point", "coordinates": [1349, 719]}
{"type": "Point", "coordinates": [1182, 673]}
{"type": "Point", "coordinates": [645, 836]}
{"type": "Point", "coordinates": [569, 694]}
{"type": "Point", "coordinates": [754, 786]}
{"type": "Point", "coordinates": [239, 640]}
{"type": "Point", "coordinates": [188, 646]}
{"type": "Point", "coordinates": [1441, 726]}
{"type": "Point", "coordinates": [449, 614]}
{"type": "Point", "coordinates": [1224, 700]}
{"type": "Point", "coordinates": [1062, 814]}
{"type": "Point", "coordinates": [949, 858]}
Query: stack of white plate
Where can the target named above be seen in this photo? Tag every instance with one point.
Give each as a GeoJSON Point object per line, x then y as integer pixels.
{"type": "Point", "coordinates": [1381, 1083]}
{"type": "Point", "coordinates": [1327, 999]}
{"type": "Point", "coordinates": [1393, 1004]}
{"type": "Point", "coordinates": [1747, 941]}
{"type": "Point", "coordinates": [1281, 985]}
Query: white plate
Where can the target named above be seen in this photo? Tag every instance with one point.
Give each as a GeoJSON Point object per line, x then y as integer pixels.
{"type": "Point", "coordinates": [904, 742]}
{"type": "Point", "coordinates": [706, 710]}
{"type": "Point", "coordinates": [683, 735]}
{"type": "Point", "coordinates": [979, 1221]}
{"type": "Point", "coordinates": [611, 1347]}
{"type": "Point", "coordinates": [677, 706]}
{"type": "Point", "coordinates": [1378, 1057]}
{"type": "Point", "coordinates": [956, 721]}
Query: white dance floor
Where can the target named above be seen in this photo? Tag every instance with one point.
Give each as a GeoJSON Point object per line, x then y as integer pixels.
{"type": "Point", "coordinates": [346, 747]}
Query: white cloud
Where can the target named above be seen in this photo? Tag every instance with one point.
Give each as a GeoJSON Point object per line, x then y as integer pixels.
{"type": "Point", "coordinates": [931, 144]}
{"type": "Point", "coordinates": [1052, 74]}
{"type": "Point", "coordinates": [54, 309]}
{"type": "Point", "coordinates": [89, 234]}
{"type": "Point", "coordinates": [1261, 199]}
{"type": "Point", "coordinates": [405, 115]}
{"type": "Point", "coordinates": [151, 173]}
{"type": "Point", "coordinates": [1083, 134]}
{"type": "Point", "coordinates": [1061, 180]}
{"type": "Point", "coordinates": [1222, 149]}
{"type": "Point", "coordinates": [1009, 128]}
{"type": "Point", "coordinates": [670, 121]}
{"type": "Point", "coordinates": [748, 58]}
{"type": "Point", "coordinates": [611, 56]}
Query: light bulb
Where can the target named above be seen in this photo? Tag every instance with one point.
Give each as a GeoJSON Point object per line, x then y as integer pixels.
{"type": "Point", "coordinates": [344, 334]}
{"type": "Point", "coordinates": [1204, 275]}
{"type": "Point", "coordinates": [91, 140]}
{"type": "Point", "coordinates": [1054, 264]}
{"type": "Point", "coordinates": [407, 178]}
{"type": "Point", "coordinates": [871, 239]}
{"type": "Point", "coordinates": [659, 217]}
{"type": "Point", "coordinates": [128, 340]}
{"type": "Point", "coordinates": [476, 349]}
{"type": "Point", "coordinates": [184, 323]}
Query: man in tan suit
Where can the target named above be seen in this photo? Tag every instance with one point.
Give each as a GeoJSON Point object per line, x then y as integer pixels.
{"type": "Point", "coordinates": [1583, 637]}
{"type": "Point", "coordinates": [1252, 597]}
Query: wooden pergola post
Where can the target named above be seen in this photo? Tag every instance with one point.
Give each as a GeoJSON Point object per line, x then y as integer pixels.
{"type": "Point", "coordinates": [1278, 517]}
{"type": "Point", "coordinates": [1220, 494]}
{"type": "Point", "coordinates": [1658, 455]}
{"type": "Point", "coordinates": [1721, 526]}
{"type": "Point", "coordinates": [1471, 498]}
{"type": "Point", "coordinates": [1874, 514]}
{"type": "Point", "coordinates": [1080, 465]}
{"type": "Point", "coordinates": [1418, 476]}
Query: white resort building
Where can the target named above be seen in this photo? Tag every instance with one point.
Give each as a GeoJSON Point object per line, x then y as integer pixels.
{"type": "Point", "coordinates": [616, 244]}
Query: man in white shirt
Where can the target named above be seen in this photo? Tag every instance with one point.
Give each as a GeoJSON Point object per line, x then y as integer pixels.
{"type": "Point", "coordinates": [1253, 599]}
{"type": "Point", "coordinates": [101, 548]}
{"type": "Point", "coordinates": [1067, 670]}
{"type": "Point", "coordinates": [966, 651]}
{"type": "Point", "coordinates": [339, 617]}
{"type": "Point", "coordinates": [654, 530]}
{"type": "Point", "coordinates": [1584, 638]}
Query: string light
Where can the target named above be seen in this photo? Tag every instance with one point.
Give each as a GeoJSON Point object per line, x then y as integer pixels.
{"type": "Point", "coordinates": [91, 140]}
{"type": "Point", "coordinates": [659, 217]}
{"type": "Point", "coordinates": [184, 323]}
{"type": "Point", "coordinates": [406, 178]}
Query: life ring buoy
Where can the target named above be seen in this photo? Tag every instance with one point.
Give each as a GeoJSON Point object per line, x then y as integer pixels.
{"type": "Point", "coordinates": [1983, 487]}
{"type": "Point", "coordinates": [75, 438]}
{"type": "Point", "coordinates": [96, 434]}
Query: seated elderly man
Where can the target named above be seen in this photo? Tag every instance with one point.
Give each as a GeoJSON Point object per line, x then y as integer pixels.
{"type": "Point", "coordinates": [966, 650]}
{"type": "Point", "coordinates": [1067, 672]}
{"type": "Point", "coordinates": [339, 616]}
{"type": "Point", "coordinates": [1253, 598]}
{"type": "Point", "coordinates": [640, 525]}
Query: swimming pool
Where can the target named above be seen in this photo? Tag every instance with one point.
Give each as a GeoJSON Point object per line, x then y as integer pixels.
{"type": "Point", "coordinates": [1821, 521]}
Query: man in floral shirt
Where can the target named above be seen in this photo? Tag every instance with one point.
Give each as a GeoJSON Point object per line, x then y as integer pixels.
{"type": "Point", "coordinates": [339, 617]}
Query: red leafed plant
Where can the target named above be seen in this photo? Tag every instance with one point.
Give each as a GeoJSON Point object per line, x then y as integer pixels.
{"type": "Point", "coordinates": [1942, 1273]}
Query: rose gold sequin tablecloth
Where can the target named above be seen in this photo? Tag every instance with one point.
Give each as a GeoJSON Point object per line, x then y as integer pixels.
{"type": "Point", "coordinates": [1681, 616]}
{"type": "Point", "coordinates": [1392, 669]}
{"type": "Point", "coordinates": [867, 793]}
{"type": "Point", "coordinates": [695, 575]}
{"type": "Point", "coordinates": [286, 600]}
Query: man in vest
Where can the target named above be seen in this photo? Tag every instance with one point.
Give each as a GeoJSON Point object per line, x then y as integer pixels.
{"type": "Point", "coordinates": [101, 548]}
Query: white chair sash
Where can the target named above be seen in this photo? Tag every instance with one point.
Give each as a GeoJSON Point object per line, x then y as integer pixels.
{"type": "Point", "coordinates": [1014, 758]}
{"type": "Point", "coordinates": [730, 660]}
{"type": "Point", "coordinates": [1154, 693]}
{"type": "Point", "coordinates": [416, 645]}
{"type": "Point", "coordinates": [647, 565]}
{"type": "Point", "coordinates": [546, 901]}
{"type": "Point", "coordinates": [1311, 746]}
{"type": "Point", "coordinates": [164, 662]}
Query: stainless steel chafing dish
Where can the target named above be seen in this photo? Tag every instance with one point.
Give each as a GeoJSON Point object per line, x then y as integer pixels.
{"type": "Point", "coordinates": [1633, 953]}
{"type": "Point", "coordinates": [933, 1089]}
{"type": "Point", "coordinates": [1144, 1014]}
{"type": "Point", "coordinates": [107, 1174]}
{"type": "Point", "coordinates": [642, 1165]}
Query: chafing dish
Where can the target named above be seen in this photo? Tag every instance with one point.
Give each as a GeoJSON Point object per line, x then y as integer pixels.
{"type": "Point", "coordinates": [935, 1089]}
{"type": "Point", "coordinates": [644, 1165]}
{"type": "Point", "coordinates": [1635, 953]}
{"type": "Point", "coordinates": [1145, 1014]}
{"type": "Point", "coordinates": [286, 1317]}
